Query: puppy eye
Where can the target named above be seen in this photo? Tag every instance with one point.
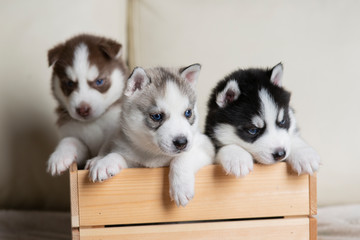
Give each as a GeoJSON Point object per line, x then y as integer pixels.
{"type": "Point", "coordinates": [188, 113]}
{"type": "Point", "coordinates": [253, 131]}
{"type": "Point", "coordinates": [281, 123]}
{"type": "Point", "coordinates": [70, 84]}
{"type": "Point", "coordinates": [157, 117]}
{"type": "Point", "coordinates": [99, 82]}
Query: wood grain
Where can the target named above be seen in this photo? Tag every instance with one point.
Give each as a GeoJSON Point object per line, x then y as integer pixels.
{"type": "Point", "coordinates": [75, 234]}
{"type": "Point", "coordinates": [74, 198]}
{"type": "Point", "coordinates": [279, 229]}
{"type": "Point", "coordinates": [313, 228]}
{"type": "Point", "coordinates": [313, 194]}
{"type": "Point", "coordinates": [142, 196]}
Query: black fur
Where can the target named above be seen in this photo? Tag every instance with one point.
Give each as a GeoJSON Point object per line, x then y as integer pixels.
{"type": "Point", "coordinates": [240, 112]}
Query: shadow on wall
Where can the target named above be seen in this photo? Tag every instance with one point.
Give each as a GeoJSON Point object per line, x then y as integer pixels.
{"type": "Point", "coordinates": [31, 138]}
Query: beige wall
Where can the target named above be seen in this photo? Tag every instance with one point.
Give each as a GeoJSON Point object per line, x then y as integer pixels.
{"type": "Point", "coordinates": [318, 42]}
{"type": "Point", "coordinates": [28, 133]}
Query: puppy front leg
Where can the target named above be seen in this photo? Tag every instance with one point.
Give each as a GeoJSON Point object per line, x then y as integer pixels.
{"type": "Point", "coordinates": [235, 160]}
{"type": "Point", "coordinates": [102, 168]}
{"type": "Point", "coordinates": [303, 159]}
{"type": "Point", "coordinates": [182, 181]}
{"type": "Point", "coordinates": [183, 169]}
{"type": "Point", "coordinates": [68, 150]}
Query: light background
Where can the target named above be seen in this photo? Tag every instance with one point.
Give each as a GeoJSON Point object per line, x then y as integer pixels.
{"type": "Point", "coordinates": [318, 42]}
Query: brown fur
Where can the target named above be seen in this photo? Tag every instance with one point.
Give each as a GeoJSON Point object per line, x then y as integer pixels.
{"type": "Point", "coordinates": [102, 53]}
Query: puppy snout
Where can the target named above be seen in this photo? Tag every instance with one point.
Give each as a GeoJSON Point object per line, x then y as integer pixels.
{"type": "Point", "coordinates": [279, 154]}
{"type": "Point", "coordinates": [84, 110]}
{"type": "Point", "coordinates": [180, 143]}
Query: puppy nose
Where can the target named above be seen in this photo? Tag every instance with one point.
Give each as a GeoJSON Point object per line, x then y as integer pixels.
{"type": "Point", "coordinates": [84, 110]}
{"type": "Point", "coordinates": [180, 143]}
{"type": "Point", "coordinates": [279, 154]}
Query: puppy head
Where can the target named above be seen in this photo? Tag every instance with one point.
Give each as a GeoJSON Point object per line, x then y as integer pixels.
{"type": "Point", "coordinates": [251, 109]}
{"type": "Point", "coordinates": [88, 75]}
{"type": "Point", "coordinates": [160, 110]}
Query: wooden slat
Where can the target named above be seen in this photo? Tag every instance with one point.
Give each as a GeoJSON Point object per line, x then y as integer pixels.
{"type": "Point", "coordinates": [74, 200]}
{"type": "Point", "coordinates": [313, 194]}
{"type": "Point", "coordinates": [75, 234]}
{"type": "Point", "coordinates": [313, 228]}
{"type": "Point", "coordinates": [142, 196]}
{"type": "Point", "coordinates": [279, 229]}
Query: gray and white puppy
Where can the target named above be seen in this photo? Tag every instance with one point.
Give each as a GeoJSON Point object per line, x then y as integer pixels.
{"type": "Point", "coordinates": [159, 127]}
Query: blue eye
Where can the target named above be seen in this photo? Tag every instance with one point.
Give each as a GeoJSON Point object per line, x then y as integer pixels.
{"type": "Point", "coordinates": [70, 83]}
{"type": "Point", "coordinates": [282, 122]}
{"type": "Point", "coordinates": [188, 113]}
{"type": "Point", "coordinates": [157, 117]}
{"type": "Point", "coordinates": [99, 82]}
{"type": "Point", "coordinates": [253, 131]}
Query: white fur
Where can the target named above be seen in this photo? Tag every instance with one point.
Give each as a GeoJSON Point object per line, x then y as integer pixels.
{"type": "Point", "coordinates": [235, 160]}
{"type": "Point", "coordinates": [280, 115]}
{"type": "Point", "coordinates": [233, 155]}
{"type": "Point", "coordinates": [80, 140]}
{"type": "Point", "coordinates": [142, 147]}
{"type": "Point", "coordinates": [221, 96]}
{"type": "Point", "coordinates": [174, 104]}
{"type": "Point", "coordinates": [258, 122]}
{"type": "Point", "coordinates": [109, 166]}
{"type": "Point", "coordinates": [303, 158]}
{"type": "Point", "coordinates": [69, 150]}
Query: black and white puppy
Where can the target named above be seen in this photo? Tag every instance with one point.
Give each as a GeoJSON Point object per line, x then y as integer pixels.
{"type": "Point", "coordinates": [249, 118]}
{"type": "Point", "coordinates": [88, 81]}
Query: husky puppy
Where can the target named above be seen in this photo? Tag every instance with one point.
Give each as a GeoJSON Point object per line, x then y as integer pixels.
{"type": "Point", "coordinates": [159, 127]}
{"type": "Point", "coordinates": [87, 81]}
{"type": "Point", "coordinates": [249, 117]}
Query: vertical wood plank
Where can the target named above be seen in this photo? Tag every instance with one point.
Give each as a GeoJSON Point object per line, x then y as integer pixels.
{"type": "Point", "coordinates": [75, 234]}
{"type": "Point", "coordinates": [313, 194]}
{"type": "Point", "coordinates": [74, 197]}
{"type": "Point", "coordinates": [313, 228]}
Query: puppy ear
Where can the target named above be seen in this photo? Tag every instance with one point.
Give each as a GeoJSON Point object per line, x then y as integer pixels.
{"type": "Point", "coordinates": [111, 48]}
{"type": "Point", "coordinates": [276, 74]}
{"type": "Point", "coordinates": [191, 73]}
{"type": "Point", "coordinates": [229, 94]}
{"type": "Point", "coordinates": [137, 81]}
{"type": "Point", "coordinates": [54, 54]}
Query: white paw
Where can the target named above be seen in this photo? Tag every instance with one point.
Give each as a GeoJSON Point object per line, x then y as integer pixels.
{"type": "Point", "coordinates": [182, 189]}
{"type": "Point", "coordinates": [235, 160]}
{"type": "Point", "coordinates": [304, 161]}
{"type": "Point", "coordinates": [105, 168]}
{"type": "Point", "coordinates": [60, 161]}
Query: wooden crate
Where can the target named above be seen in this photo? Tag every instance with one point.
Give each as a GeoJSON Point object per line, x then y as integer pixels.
{"type": "Point", "coordinates": [269, 203]}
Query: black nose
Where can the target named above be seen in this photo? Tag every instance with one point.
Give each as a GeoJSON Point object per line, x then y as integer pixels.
{"type": "Point", "coordinates": [84, 110]}
{"type": "Point", "coordinates": [180, 143]}
{"type": "Point", "coordinates": [279, 154]}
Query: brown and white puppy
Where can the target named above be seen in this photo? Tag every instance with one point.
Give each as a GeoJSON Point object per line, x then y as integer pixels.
{"type": "Point", "coordinates": [88, 81]}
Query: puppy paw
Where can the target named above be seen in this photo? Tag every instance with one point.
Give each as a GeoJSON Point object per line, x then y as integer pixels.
{"type": "Point", "coordinates": [235, 161]}
{"type": "Point", "coordinates": [60, 161]}
{"type": "Point", "coordinates": [304, 161]}
{"type": "Point", "coordinates": [182, 190]}
{"type": "Point", "coordinates": [105, 168]}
